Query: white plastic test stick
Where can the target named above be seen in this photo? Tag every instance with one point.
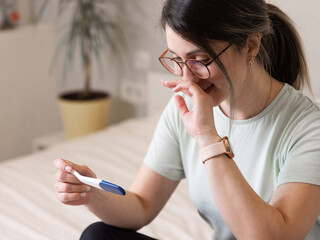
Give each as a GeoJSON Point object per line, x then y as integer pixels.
{"type": "Point", "coordinates": [100, 184]}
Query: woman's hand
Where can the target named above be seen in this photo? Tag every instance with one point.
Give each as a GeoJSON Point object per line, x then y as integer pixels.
{"type": "Point", "coordinates": [69, 189]}
{"type": "Point", "coordinates": [199, 122]}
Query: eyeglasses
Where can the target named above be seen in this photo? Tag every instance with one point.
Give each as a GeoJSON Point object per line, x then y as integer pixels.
{"type": "Point", "coordinates": [197, 67]}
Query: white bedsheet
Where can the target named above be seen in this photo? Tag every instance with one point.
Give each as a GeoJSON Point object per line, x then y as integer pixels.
{"type": "Point", "coordinates": [29, 208]}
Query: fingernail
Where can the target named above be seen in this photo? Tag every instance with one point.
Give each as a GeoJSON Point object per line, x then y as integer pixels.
{"type": "Point", "coordinates": [164, 81]}
{"type": "Point", "coordinates": [88, 188]}
{"type": "Point", "coordinates": [83, 194]}
{"type": "Point", "coordinates": [68, 168]}
{"type": "Point", "coordinates": [70, 163]}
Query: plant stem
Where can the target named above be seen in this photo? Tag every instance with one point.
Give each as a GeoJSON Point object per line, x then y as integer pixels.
{"type": "Point", "coordinates": [87, 89]}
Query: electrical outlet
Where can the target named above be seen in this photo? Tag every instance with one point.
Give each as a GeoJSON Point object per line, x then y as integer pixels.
{"type": "Point", "coordinates": [133, 92]}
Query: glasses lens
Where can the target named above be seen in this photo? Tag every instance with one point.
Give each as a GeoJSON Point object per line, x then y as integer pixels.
{"type": "Point", "coordinates": [171, 65]}
{"type": "Point", "coordinates": [198, 68]}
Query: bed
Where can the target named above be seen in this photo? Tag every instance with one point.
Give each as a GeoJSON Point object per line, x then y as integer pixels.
{"type": "Point", "coordinates": [28, 205]}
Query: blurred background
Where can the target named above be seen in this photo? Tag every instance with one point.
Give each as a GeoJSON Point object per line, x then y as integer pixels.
{"type": "Point", "coordinates": [32, 71]}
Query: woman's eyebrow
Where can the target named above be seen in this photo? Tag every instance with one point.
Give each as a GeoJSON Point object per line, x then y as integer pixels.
{"type": "Point", "coordinates": [169, 50]}
{"type": "Point", "coordinates": [194, 52]}
{"type": "Point", "coordinates": [188, 53]}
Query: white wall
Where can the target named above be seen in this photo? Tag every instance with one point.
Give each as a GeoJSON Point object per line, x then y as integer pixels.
{"type": "Point", "coordinates": [26, 7]}
{"type": "Point", "coordinates": [27, 91]}
{"type": "Point", "coordinates": [306, 16]}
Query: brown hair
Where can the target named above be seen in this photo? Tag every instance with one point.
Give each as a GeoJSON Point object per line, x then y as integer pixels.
{"type": "Point", "coordinates": [281, 51]}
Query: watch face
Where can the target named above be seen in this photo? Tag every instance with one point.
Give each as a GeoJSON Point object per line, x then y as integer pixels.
{"type": "Point", "coordinates": [229, 151]}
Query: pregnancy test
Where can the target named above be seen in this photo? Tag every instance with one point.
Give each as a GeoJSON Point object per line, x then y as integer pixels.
{"type": "Point", "coordinates": [100, 184]}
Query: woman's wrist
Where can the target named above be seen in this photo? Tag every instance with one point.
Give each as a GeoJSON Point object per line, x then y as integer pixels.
{"type": "Point", "coordinates": [207, 140]}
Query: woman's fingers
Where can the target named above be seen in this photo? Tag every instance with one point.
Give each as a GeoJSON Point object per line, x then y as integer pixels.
{"type": "Point", "coordinates": [68, 198]}
{"type": "Point", "coordinates": [170, 84]}
{"type": "Point", "coordinates": [67, 166]}
{"type": "Point", "coordinates": [62, 176]}
{"type": "Point", "coordinates": [68, 188]}
{"type": "Point", "coordinates": [62, 187]}
{"type": "Point", "coordinates": [61, 164]}
{"type": "Point", "coordinates": [181, 105]}
{"type": "Point", "coordinates": [175, 85]}
{"type": "Point", "coordinates": [187, 87]}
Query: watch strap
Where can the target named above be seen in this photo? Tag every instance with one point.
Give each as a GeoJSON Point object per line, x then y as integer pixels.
{"type": "Point", "coordinates": [211, 151]}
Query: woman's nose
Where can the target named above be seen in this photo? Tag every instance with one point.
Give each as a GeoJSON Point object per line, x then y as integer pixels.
{"type": "Point", "coordinates": [188, 75]}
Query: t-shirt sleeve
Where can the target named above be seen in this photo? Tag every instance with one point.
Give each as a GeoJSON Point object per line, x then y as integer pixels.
{"type": "Point", "coordinates": [163, 155]}
{"type": "Point", "coordinates": [302, 160]}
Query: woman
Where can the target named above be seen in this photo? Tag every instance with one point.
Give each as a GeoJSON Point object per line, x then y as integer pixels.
{"type": "Point", "coordinates": [241, 65]}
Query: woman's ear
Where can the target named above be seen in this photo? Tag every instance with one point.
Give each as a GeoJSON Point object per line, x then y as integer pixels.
{"type": "Point", "coordinates": [253, 46]}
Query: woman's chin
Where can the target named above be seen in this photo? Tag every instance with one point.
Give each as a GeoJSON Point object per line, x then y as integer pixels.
{"type": "Point", "coordinates": [214, 93]}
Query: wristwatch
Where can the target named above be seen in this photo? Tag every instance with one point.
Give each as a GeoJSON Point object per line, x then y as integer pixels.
{"type": "Point", "coordinates": [222, 147]}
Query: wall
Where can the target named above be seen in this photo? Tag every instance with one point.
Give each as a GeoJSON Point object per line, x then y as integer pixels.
{"type": "Point", "coordinates": [27, 91]}
{"type": "Point", "coordinates": [26, 7]}
{"type": "Point", "coordinates": [305, 15]}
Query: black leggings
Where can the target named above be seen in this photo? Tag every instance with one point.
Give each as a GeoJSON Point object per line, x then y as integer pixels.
{"type": "Point", "coordinates": [102, 231]}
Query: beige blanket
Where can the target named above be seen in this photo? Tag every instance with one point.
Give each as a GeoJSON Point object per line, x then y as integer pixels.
{"type": "Point", "coordinates": [29, 208]}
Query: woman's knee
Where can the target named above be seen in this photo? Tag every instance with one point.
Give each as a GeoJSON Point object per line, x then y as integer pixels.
{"type": "Point", "coordinates": [97, 231]}
{"type": "Point", "coordinates": [103, 231]}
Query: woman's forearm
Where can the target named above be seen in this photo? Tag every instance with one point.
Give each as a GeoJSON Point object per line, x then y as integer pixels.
{"type": "Point", "coordinates": [120, 211]}
{"type": "Point", "coordinates": [246, 214]}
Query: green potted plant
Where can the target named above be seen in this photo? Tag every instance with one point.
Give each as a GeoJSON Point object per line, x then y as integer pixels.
{"type": "Point", "coordinates": [92, 31]}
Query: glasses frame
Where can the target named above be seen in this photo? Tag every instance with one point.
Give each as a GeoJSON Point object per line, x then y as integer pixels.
{"type": "Point", "coordinates": [206, 64]}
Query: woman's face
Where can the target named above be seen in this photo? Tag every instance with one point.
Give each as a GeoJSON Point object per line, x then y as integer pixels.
{"type": "Point", "coordinates": [216, 85]}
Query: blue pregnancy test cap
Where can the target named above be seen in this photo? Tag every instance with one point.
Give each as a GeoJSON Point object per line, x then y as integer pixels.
{"type": "Point", "coordinates": [110, 187]}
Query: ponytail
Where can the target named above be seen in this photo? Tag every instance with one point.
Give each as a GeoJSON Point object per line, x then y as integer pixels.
{"type": "Point", "coordinates": [287, 62]}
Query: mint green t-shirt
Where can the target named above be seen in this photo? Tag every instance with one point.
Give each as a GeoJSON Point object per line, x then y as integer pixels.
{"type": "Point", "coordinates": [279, 145]}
